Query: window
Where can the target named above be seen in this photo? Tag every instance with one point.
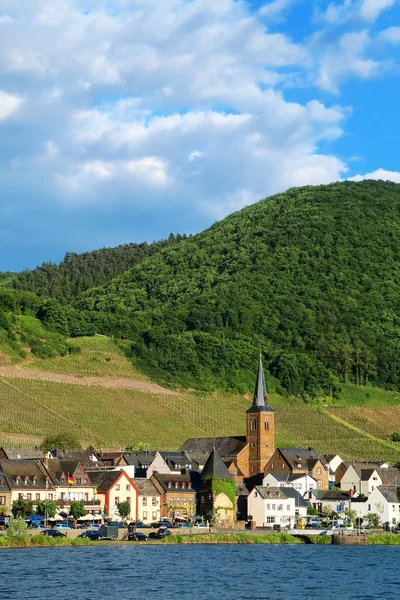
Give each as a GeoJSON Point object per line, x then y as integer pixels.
{"type": "Point", "coordinates": [171, 501]}
{"type": "Point", "coordinates": [319, 483]}
{"type": "Point", "coordinates": [254, 425]}
{"type": "Point", "coordinates": [283, 466]}
{"type": "Point", "coordinates": [26, 480]}
{"type": "Point", "coordinates": [169, 484]}
{"type": "Point", "coordinates": [20, 496]}
{"type": "Point", "coordinates": [270, 519]}
{"type": "Point", "coordinates": [176, 485]}
{"type": "Point", "coordinates": [154, 501]}
{"type": "Point", "coordinates": [128, 488]}
{"type": "Point", "coordinates": [37, 496]}
{"type": "Point", "coordinates": [189, 485]}
{"type": "Point", "coordinates": [253, 445]}
{"type": "Point", "coordinates": [202, 500]}
{"type": "Point", "coordinates": [78, 481]}
{"type": "Point", "coordinates": [253, 468]}
{"type": "Point", "coordinates": [2, 500]}
{"type": "Point", "coordinates": [184, 501]}
{"type": "Point", "coordinates": [272, 466]}
{"type": "Point", "coordinates": [178, 501]}
{"type": "Point", "coordinates": [183, 485]}
{"type": "Point", "coordinates": [34, 480]}
{"type": "Point", "coordinates": [128, 499]}
{"type": "Point", "coordinates": [62, 495]}
{"type": "Point", "coordinates": [266, 426]}
{"type": "Point", "coordinates": [116, 500]}
{"type": "Point", "coordinates": [319, 471]}
{"type": "Point", "coordinates": [117, 487]}
{"type": "Point", "coordinates": [61, 481]}
{"type": "Point", "coordinates": [154, 515]}
{"type": "Point", "coordinates": [274, 507]}
{"type": "Point", "coordinates": [50, 496]}
{"type": "Point", "coordinates": [255, 495]}
{"type": "Point", "coordinates": [86, 497]}
{"type": "Point", "coordinates": [144, 501]}
{"type": "Point", "coordinates": [145, 515]}
{"type": "Point", "coordinates": [280, 507]}
{"type": "Point", "coordinates": [287, 507]}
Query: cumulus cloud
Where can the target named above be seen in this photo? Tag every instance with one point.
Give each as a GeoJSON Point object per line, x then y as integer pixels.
{"type": "Point", "coordinates": [390, 35]}
{"type": "Point", "coordinates": [378, 174]}
{"type": "Point", "coordinates": [101, 108]}
{"type": "Point", "coordinates": [353, 10]}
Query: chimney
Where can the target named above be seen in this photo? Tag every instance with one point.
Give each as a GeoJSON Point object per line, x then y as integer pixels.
{"type": "Point", "coordinates": [351, 493]}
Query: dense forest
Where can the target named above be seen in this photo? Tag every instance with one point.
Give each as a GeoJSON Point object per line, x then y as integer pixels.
{"type": "Point", "coordinates": [79, 272]}
{"type": "Point", "coordinates": [311, 277]}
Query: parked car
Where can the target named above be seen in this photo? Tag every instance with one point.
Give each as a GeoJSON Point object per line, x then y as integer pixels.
{"type": "Point", "coordinates": [139, 536]}
{"type": "Point", "coordinates": [201, 525]}
{"type": "Point", "coordinates": [117, 524]}
{"type": "Point", "coordinates": [366, 530]}
{"type": "Point", "coordinates": [64, 526]}
{"type": "Point", "coordinates": [90, 534]}
{"type": "Point", "coordinates": [138, 525]}
{"type": "Point", "coordinates": [53, 533]}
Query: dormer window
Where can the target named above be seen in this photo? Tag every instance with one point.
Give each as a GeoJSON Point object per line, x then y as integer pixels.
{"type": "Point", "coordinates": [176, 485]}
{"type": "Point", "coordinates": [35, 480]}
{"type": "Point", "coordinates": [189, 485]}
{"type": "Point", "coordinates": [169, 485]}
{"type": "Point", "coordinates": [183, 485]}
{"type": "Point", "coordinates": [18, 480]}
{"type": "Point", "coordinates": [26, 481]}
{"type": "Point", "coordinates": [61, 481]}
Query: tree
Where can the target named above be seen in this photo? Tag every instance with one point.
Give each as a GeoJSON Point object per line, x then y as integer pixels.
{"type": "Point", "coordinates": [395, 437]}
{"type": "Point", "coordinates": [138, 447]}
{"type": "Point", "coordinates": [22, 508]}
{"type": "Point", "coordinates": [62, 441]}
{"type": "Point", "coordinates": [48, 507]}
{"type": "Point", "coordinates": [77, 509]}
{"type": "Point", "coordinates": [124, 509]}
{"type": "Point", "coordinates": [350, 514]}
{"type": "Point", "coordinates": [373, 519]}
{"type": "Point", "coordinates": [16, 530]}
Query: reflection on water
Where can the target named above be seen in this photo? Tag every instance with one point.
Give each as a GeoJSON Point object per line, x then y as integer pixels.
{"type": "Point", "coordinates": [201, 572]}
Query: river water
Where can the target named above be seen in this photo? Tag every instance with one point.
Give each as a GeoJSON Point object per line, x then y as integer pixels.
{"type": "Point", "coordinates": [225, 572]}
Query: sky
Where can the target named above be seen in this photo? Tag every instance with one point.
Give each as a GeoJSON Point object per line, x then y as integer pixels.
{"type": "Point", "coordinates": [125, 120]}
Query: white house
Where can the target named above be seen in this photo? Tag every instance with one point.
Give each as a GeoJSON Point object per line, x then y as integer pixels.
{"type": "Point", "coordinates": [269, 506]}
{"type": "Point", "coordinates": [385, 502]}
{"type": "Point", "coordinates": [301, 482]}
{"type": "Point", "coordinates": [335, 500]}
{"type": "Point", "coordinates": [333, 461]}
{"type": "Point", "coordinates": [365, 480]}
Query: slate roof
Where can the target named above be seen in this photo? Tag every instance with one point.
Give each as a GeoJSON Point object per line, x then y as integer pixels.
{"type": "Point", "coordinates": [306, 457]}
{"type": "Point", "coordinates": [176, 459]}
{"type": "Point", "coordinates": [140, 459]}
{"type": "Point", "coordinates": [4, 487]}
{"type": "Point", "coordinates": [292, 493]}
{"type": "Point", "coordinates": [104, 480]}
{"type": "Point", "coordinates": [145, 486]}
{"type": "Point", "coordinates": [13, 453]}
{"type": "Point", "coordinates": [164, 478]}
{"type": "Point", "coordinates": [260, 398]}
{"type": "Point", "coordinates": [391, 493]}
{"type": "Point", "coordinates": [215, 468]}
{"type": "Point", "coordinates": [389, 476]}
{"type": "Point", "coordinates": [225, 446]}
{"type": "Point", "coordinates": [56, 468]}
{"type": "Point", "coordinates": [228, 463]}
{"type": "Point", "coordinates": [241, 490]}
{"type": "Point", "coordinates": [22, 469]}
{"type": "Point", "coordinates": [289, 476]}
{"type": "Point", "coordinates": [271, 493]}
{"type": "Point", "coordinates": [81, 455]}
{"type": "Point", "coordinates": [331, 495]}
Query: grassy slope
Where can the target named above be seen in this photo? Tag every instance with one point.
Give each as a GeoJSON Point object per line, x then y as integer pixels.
{"type": "Point", "coordinates": [99, 357]}
{"type": "Point", "coordinates": [31, 409]}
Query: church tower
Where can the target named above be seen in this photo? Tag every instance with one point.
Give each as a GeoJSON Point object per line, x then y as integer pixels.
{"type": "Point", "coordinates": [260, 427]}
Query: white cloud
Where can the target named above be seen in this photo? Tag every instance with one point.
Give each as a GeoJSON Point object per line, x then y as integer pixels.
{"type": "Point", "coordinates": [379, 174]}
{"type": "Point", "coordinates": [274, 9]}
{"type": "Point", "coordinates": [354, 10]}
{"type": "Point", "coordinates": [9, 104]}
{"type": "Point", "coordinates": [194, 155]}
{"type": "Point", "coordinates": [390, 35]}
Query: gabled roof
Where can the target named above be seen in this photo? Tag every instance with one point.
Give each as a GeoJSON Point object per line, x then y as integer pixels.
{"type": "Point", "coordinates": [305, 457]}
{"type": "Point", "coordinates": [241, 490]}
{"type": "Point", "coordinates": [57, 468]}
{"type": "Point", "coordinates": [13, 453]}
{"type": "Point", "coordinates": [18, 470]}
{"type": "Point", "coordinates": [104, 480]}
{"type": "Point", "coordinates": [215, 468]}
{"type": "Point", "coordinates": [292, 493]}
{"type": "Point", "coordinates": [81, 455]}
{"type": "Point", "coordinates": [271, 493]}
{"type": "Point", "coordinates": [140, 459]}
{"type": "Point", "coordinates": [229, 463]}
{"type": "Point", "coordinates": [145, 486]}
{"type": "Point", "coordinates": [288, 477]}
{"type": "Point", "coordinates": [391, 493]}
{"type": "Point", "coordinates": [331, 495]}
{"type": "Point", "coordinates": [165, 478]}
{"type": "Point", "coordinates": [225, 446]}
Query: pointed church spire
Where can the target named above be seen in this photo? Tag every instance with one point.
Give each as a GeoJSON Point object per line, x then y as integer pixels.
{"type": "Point", "coordinates": [260, 393]}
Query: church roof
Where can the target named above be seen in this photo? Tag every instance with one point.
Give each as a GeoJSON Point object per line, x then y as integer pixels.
{"type": "Point", "coordinates": [225, 446]}
{"type": "Point", "coordinates": [215, 468]}
{"type": "Point", "coordinates": [260, 399]}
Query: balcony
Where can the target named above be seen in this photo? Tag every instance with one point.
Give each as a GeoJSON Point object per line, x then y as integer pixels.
{"type": "Point", "coordinates": [67, 503]}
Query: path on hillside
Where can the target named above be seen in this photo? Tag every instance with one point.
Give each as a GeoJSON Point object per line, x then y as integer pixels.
{"type": "Point", "coordinates": [108, 382]}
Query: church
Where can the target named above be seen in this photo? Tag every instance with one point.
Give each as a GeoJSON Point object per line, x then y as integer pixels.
{"type": "Point", "coordinates": [244, 456]}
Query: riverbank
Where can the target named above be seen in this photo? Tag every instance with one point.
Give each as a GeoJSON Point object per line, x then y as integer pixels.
{"type": "Point", "coordinates": [39, 541]}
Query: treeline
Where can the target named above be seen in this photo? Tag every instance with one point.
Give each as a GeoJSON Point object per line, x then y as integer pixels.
{"type": "Point", "coordinates": [80, 272]}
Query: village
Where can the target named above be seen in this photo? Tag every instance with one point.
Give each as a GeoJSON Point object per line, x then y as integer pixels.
{"type": "Point", "coordinates": [227, 483]}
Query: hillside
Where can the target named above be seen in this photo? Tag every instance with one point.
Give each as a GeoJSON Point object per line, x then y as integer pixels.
{"type": "Point", "coordinates": [79, 272]}
{"type": "Point", "coordinates": [312, 276]}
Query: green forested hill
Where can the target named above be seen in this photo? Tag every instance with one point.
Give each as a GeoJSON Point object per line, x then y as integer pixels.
{"type": "Point", "coordinates": [79, 272]}
{"type": "Point", "coordinates": [312, 276]}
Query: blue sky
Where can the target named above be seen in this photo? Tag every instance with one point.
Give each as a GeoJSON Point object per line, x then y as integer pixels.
{"type": "Point", "coordinates": [125, 120]}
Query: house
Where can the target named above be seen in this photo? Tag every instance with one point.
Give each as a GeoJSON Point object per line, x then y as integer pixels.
{"type": "Point", "coordinates": [365, 480]}
{"type": "Point", "coordinates": [5, 495]}
{"type": "Point", "coordinates": [145, 463]}
{"type": "Point", "coordinates": [342, 468]}
{"type": "Point", "coordinates": [149, 500]}
{"type": "Point", "coordinates": [217, 492]}
{"type": "Point", "coordinates": [84, 457]}
{"type": "Point", "coordinates": [333, 461]}
{"type": "Point", "coordinates": [301, 482]}
{"type": "Point", "coordinates": [70, 482]}
{"type": "Point", "coordinates": [332, 500]}
{"type": "Point", "coordinates": [269, 506]}
{"type": "Point", "coordinates": [252, 452]}
{"type": "Point", "coordinates": [300, 461]}
{"type": "Point", "coordinates": [178, 494]}
{"type": "Point", "coordinates": [25, 480]}
{"type": "Point", "coordinates": [384, 501]}
{"type": "Point", "coordinates": [113, 488]}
